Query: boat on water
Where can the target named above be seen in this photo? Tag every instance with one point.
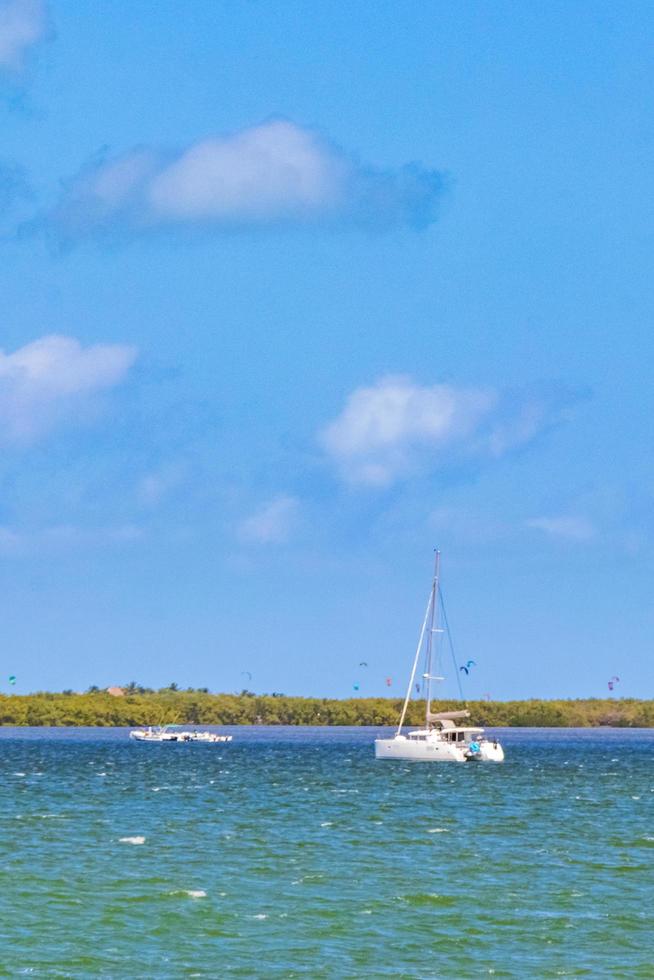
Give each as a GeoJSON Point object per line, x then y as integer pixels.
{"type": "Point", "coordinates": [175, 733]}
{"type": "Point", "coordinates": [442, 739]}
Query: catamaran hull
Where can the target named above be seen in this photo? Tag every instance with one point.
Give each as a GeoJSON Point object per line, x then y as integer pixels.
{"type": "Point", "coordinates": [435, 751]}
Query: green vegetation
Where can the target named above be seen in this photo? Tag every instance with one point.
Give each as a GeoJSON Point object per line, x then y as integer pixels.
{"type": "Point", "coordinates": [141, 706]}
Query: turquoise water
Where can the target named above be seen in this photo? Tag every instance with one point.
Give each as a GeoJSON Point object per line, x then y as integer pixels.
{"type": "Point", "coordinates": [292, 853]}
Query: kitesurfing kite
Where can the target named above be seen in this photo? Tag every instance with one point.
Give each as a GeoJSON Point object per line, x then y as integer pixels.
{"type": "Point", "coordinates": [246, 673]}
{"type": "Point", "coordinates": [614, 680]}
{"type": "Point", "coordinates": [388, 682]}
{"type": "Point", "coordinates": [363, 663]}
{"type": "Point", "coordinates": [12, 679]}
{"type": "Point", "coordinates": [468, 665]}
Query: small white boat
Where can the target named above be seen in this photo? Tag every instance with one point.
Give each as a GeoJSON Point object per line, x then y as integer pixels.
{"type": "Point", "coordinates": [441, 740]}
{"type": "Point", "coordinates": [174, 733]}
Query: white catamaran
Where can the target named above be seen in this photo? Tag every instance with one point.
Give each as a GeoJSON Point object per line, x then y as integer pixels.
{"type": "Point", "coordinates": [442, 739]}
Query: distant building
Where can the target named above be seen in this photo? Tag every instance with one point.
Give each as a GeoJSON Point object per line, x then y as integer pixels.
{"type": "Point", "coordinates": [116, 692]}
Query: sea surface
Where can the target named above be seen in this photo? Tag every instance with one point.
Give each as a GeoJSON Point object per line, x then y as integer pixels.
{"type": "Point", "coordinates": [291, 852]}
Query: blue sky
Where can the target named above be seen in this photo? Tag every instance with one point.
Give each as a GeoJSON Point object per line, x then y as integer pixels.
{"type": "Point", "coordinates": [293, 293]}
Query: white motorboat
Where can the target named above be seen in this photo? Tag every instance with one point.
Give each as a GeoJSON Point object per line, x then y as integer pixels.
{"type": "Point", "coordinates": [442, 739]}
{"type": "Point", "coordinates": [174, 733]}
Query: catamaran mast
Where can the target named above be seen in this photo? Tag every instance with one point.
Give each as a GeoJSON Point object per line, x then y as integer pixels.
{"type": "Point", "coordinates": [433, 630]}
{"type": "Point", "coordinates": [431, 616]}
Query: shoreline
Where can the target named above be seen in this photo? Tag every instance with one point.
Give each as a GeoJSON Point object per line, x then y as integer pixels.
{"type": "Point", "coordinates": [192, 707]}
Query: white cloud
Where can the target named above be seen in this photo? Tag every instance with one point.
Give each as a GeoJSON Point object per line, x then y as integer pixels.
{"type": "Point", "coordinates": [274, 172]}
{"type": "Point", "coordinates": [52, 378]}
{"type": "Point", "coordinates": [569, 527]}
{"type": "Point", "coordinates": [383, 429]}
{"type": "Point", "coordinates": [22, 24]}
{"type": "Point", "coordinates": [265, 172]}
{"type": "Point", "coordinates": [396, 427]}
{"type": "Point", "coordinates": [273, 523]}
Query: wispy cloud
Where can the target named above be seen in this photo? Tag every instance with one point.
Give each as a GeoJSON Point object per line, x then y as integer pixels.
{"type": "Point", "coordinates": [23, 23]}
{"type": "Point", "coordinates": [277, 172]}
{"type": "Point", "coordinates": [272, 523]}
{"type": "Point", "coordinates": [569, 527]}
{"type": "Point", "coordinates": [52, 379]}
{"type": "Point", "coordinates": [396, 427]}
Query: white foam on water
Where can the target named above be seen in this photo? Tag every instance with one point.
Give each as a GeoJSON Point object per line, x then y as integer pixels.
{"type": "Point", "coordinates": [327, 823]}
{"type": "Point", "coordinates": [635, 797]}
{"type": "Point", "coordinates": [261, 915]}
{"type": "Point", "coordinates": [131, 840]}
{"type": "Point", "coordinates": [195, 893]}
{"type": "Point", "coordinates": [438, 830]}
{"type": "Point", "coordinates": [19, 774]}
{"type": "Point", "coordinates": [155, 789]}
{"type": "Point", "coordinates": [366, 912]}
{"type": "Point", "coordinates": [316, 877]}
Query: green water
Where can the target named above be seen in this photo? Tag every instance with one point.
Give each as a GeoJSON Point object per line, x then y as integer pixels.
{"type": "Point", "coordinates": [292, 853]}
